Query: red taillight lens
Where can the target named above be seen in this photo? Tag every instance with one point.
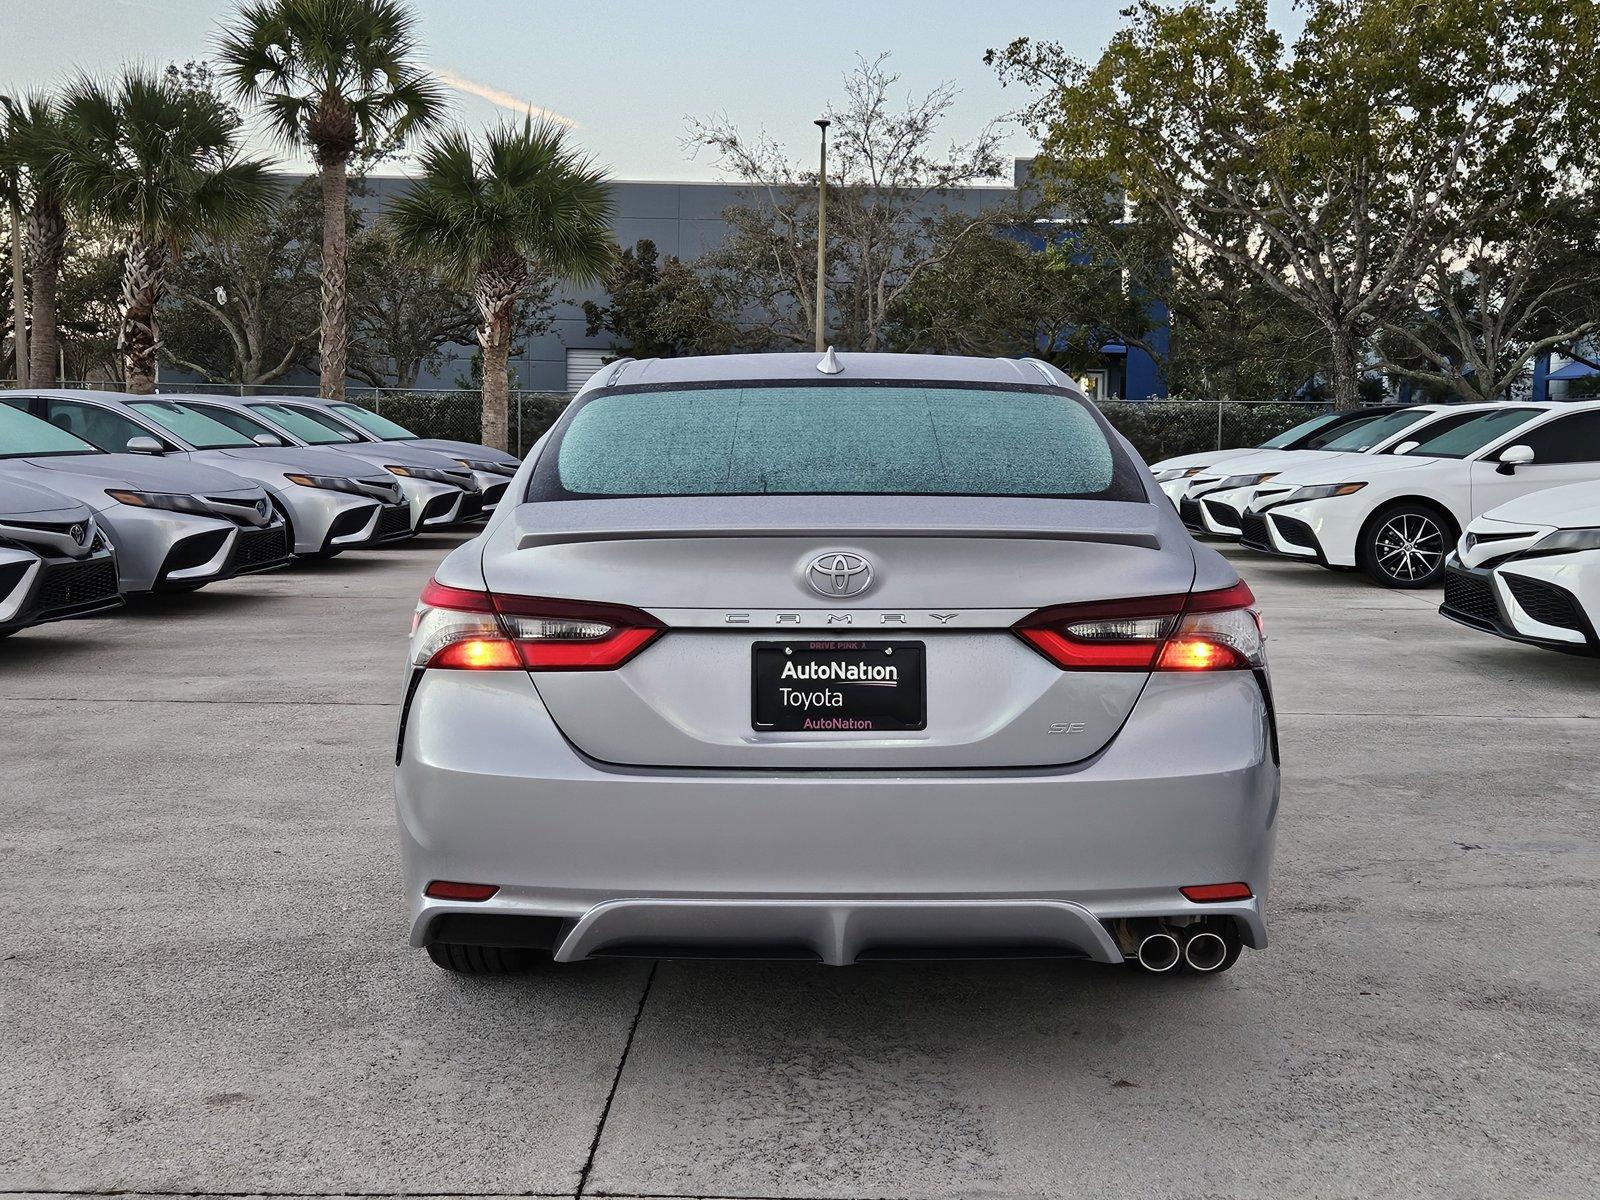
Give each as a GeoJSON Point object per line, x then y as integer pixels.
{"type": "Point", "coordinates": [447, 889]}
{"type": "Point", "coordinates": [1204, 631]}
{"type": "Point", "coordinates": [1211, 893]}
{"type": "Point", "coordinates": [457, 629]}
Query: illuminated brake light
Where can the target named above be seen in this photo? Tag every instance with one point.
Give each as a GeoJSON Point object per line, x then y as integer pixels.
{"type": "Point", "coordinates": [1212, 893]}
{"type": "Point", "coordinates": [1205, 631]}
{"type": "Point", "coordinates": [465, 630]}
{"type": "Point", "coordinates": [478, 654]}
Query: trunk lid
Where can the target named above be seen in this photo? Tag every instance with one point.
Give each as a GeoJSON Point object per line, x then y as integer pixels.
{"type": "Point", "coordinates": [727, 574]}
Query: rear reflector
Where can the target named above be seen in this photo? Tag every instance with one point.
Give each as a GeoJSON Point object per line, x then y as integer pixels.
{"type": "Point", "coordinates": [1203, 631]}
{"type": "Point", "coordinates": [445, 889]}
{"type": "Point", "coordinates": [1210, 893]}
{"type": "Point", "coordinates": [462, 630]}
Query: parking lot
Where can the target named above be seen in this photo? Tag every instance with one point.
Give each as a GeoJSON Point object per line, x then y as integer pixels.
{"type": "Point", "coordinates": [206, 989]}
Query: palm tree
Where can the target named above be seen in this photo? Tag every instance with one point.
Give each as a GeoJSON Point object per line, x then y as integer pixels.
{"type": "Point", "coordinates": [33, 153]}
{"type": "Point", "coordinates": [11, 195]}
{"type": "Point", "coordinates": [159, 164]}
{"type": "Point", "coordinates": [334, 76]}
{"type": "Point", "coordinates": [524, 203]}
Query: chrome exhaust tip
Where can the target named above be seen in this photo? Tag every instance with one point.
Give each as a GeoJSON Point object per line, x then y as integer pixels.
{"type": "Point", "coordinates": [1159, 953]}
{"type": "Point", "coordinates": [1205, 952]}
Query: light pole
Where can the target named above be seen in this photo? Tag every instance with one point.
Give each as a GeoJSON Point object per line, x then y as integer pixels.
{"type": "Point", "coordinates": [822, 123]}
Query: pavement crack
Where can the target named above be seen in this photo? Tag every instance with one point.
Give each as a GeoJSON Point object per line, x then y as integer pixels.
{"type": "Point", "coordinates": [616, 1081]}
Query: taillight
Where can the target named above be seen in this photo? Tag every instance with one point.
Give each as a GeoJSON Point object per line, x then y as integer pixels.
{"type": "Point", "coordinates": [1203, 631]}
{"type": "Point", "coordinates": [463, 630]}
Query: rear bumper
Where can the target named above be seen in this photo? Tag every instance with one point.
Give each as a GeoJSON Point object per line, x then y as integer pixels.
{"type": "Point", "coordinates": [838, 863]}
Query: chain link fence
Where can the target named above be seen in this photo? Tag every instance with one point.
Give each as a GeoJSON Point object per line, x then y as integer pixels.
{"type": "Point", "coordinates": [1158, 428]}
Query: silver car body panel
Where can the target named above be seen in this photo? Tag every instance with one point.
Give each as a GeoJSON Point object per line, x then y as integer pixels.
{"type": "Point", "coordinates": [144, 537]}
{"type": "Point", "coordinates": [433, 505]}
{"type": "Point", "coordinates": [638, 805]}
{"type": "Point", "coordinates": [55, 560]}
{"type": "Point", "coordinates": [312, 512]}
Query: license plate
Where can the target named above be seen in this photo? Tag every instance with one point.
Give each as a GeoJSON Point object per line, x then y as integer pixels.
{"type": "Point", "coordinates": [838, 687]}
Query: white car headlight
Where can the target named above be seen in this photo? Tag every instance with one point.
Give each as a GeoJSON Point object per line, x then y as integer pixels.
{"type": "Point", "coordinates": [1564, 541]}
{"type": "Point", "coordinates": [1320, 491]}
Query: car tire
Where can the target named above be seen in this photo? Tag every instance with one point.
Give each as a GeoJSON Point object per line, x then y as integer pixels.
{"type": "Point", "coordinates": [1404, 546]}
{"type": "Point", "coordinates": [483, 960]}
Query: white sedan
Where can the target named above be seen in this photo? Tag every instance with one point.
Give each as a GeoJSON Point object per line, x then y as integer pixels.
{"type": "Point", "coordinates": [1216, 500]}
{"type": "Point", "coordinates": [1530, 570]}
{"type": "Point", "coordinates": [1397, 515]}
{"type": "Point", "coordinates": [1173, 474]}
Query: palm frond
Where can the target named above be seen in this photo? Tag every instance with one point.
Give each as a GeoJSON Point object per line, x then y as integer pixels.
{"type": "Point", "coordinates": [151, 158]}
{"type": "Point", "coordinates": [523, 194]}
{"type": "Point", "coordinates": [311, 64]}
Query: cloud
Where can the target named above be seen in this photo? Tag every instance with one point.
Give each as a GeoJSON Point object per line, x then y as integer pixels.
{"type": "Point", "coordinates": [495, 96]}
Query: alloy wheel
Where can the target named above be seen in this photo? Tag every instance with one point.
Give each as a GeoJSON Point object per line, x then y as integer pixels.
{"type": "Point", "coordinates": [1409, 547]}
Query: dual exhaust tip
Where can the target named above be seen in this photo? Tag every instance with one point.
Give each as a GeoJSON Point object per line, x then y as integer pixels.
{"type": "Point", "coordinates": [1165, 950]}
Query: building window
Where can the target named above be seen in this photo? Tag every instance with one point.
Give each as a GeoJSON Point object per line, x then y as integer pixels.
{"type": "Point", "coordinates": [1094, 384]}
{"type": "Point", "coordinates": [582, 363]}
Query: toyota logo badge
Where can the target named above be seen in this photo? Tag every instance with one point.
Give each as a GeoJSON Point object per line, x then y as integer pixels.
{"type": "Point", "coordinates": [839, 573]}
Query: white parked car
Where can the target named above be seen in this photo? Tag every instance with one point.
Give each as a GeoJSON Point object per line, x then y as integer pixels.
{"type": "Point", "coordinates": [1216, 500]}
{"type": "Point", "coordinates": [1397, 515]}
{"type": "Point", "coordinates": [1530, 570]}
{"type": "Point", "coordinates": [1173, 474]}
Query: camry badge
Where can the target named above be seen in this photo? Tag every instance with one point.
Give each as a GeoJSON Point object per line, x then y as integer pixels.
{"type": "Point", "coordinates": [839, 573]}
{"type": "Point", "coordinates": [79, 534]}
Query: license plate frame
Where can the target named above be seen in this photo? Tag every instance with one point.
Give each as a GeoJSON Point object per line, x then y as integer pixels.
{"type": "Point", "coordinates": [866, 704]}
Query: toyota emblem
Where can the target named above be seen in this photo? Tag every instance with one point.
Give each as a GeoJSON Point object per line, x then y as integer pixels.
{"type": "Point", "coordinates": [839, 573]}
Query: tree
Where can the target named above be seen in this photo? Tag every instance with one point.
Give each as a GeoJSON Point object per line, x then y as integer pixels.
{"type": "Point", "coordinates": [1324, 171]}
{"type": "Point", "coordinates": [161, 166]}
{"type": "Point", "coordinates": [660, 308]}
{"type": "Point", "coordinates": [241, 305]}
{"type": "Point", "coordinates": [14, 305]}
{"type": "Point", "coordinates": [33, 150]}
{"type": "Point", "coordinates": [405, 313]}
{"type": "Point", "coordinates": [885, 195]}
{"type": "Point", "coordinates": [1496, 296]}
{"type": "Point", "coordinates": [524, 205]}
{"type": "Point", "coordinates": [91, 320]}
{"type": "Point", "coordinates": [336, 77]}
{"type": "Point", "coordinates": [1007, 292]}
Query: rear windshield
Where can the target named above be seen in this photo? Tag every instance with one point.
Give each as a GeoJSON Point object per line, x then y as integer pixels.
{"type": "Point", "coordinates": [1471, 436]}
{"type": "Point", "coordinates": [378, 426]}
{"type": "Point", "coordinates": [833, 439]}
{"type": "Point", "coordinates": [25, 436]}
{"type": "Point", "coordinates": [193, 426]}
{"type": "Point", "coordinates": [314, 429]}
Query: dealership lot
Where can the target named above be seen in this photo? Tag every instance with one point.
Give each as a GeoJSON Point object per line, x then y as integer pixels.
{"type": "Point", "coordinates": [205, 985]}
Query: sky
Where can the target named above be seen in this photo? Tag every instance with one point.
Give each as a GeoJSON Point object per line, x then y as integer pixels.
{"type": "Point", "coordinates": [628, 74]}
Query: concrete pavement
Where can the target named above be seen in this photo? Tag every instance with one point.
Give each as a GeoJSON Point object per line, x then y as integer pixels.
{"type": "Point", "coordinates": [205, 987]}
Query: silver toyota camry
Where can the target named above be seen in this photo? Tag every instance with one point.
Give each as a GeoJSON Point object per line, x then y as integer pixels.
{"type": "Point", "coordinates": [439, 491]}
{"type": "Point", "coordinates": [55, 562]}
{"type": "Point", "coordinates": [331, 502]}
{"type": "Point", "coordinates": [176, 526]}
{"type": "Point", "coordinates": [491, 469]}
{"type": "Point", "coordinates": [870, 657]}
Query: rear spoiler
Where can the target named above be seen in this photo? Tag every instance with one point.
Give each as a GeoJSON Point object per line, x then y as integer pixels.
{"type": "Point", "coordinates": [553, 523]}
